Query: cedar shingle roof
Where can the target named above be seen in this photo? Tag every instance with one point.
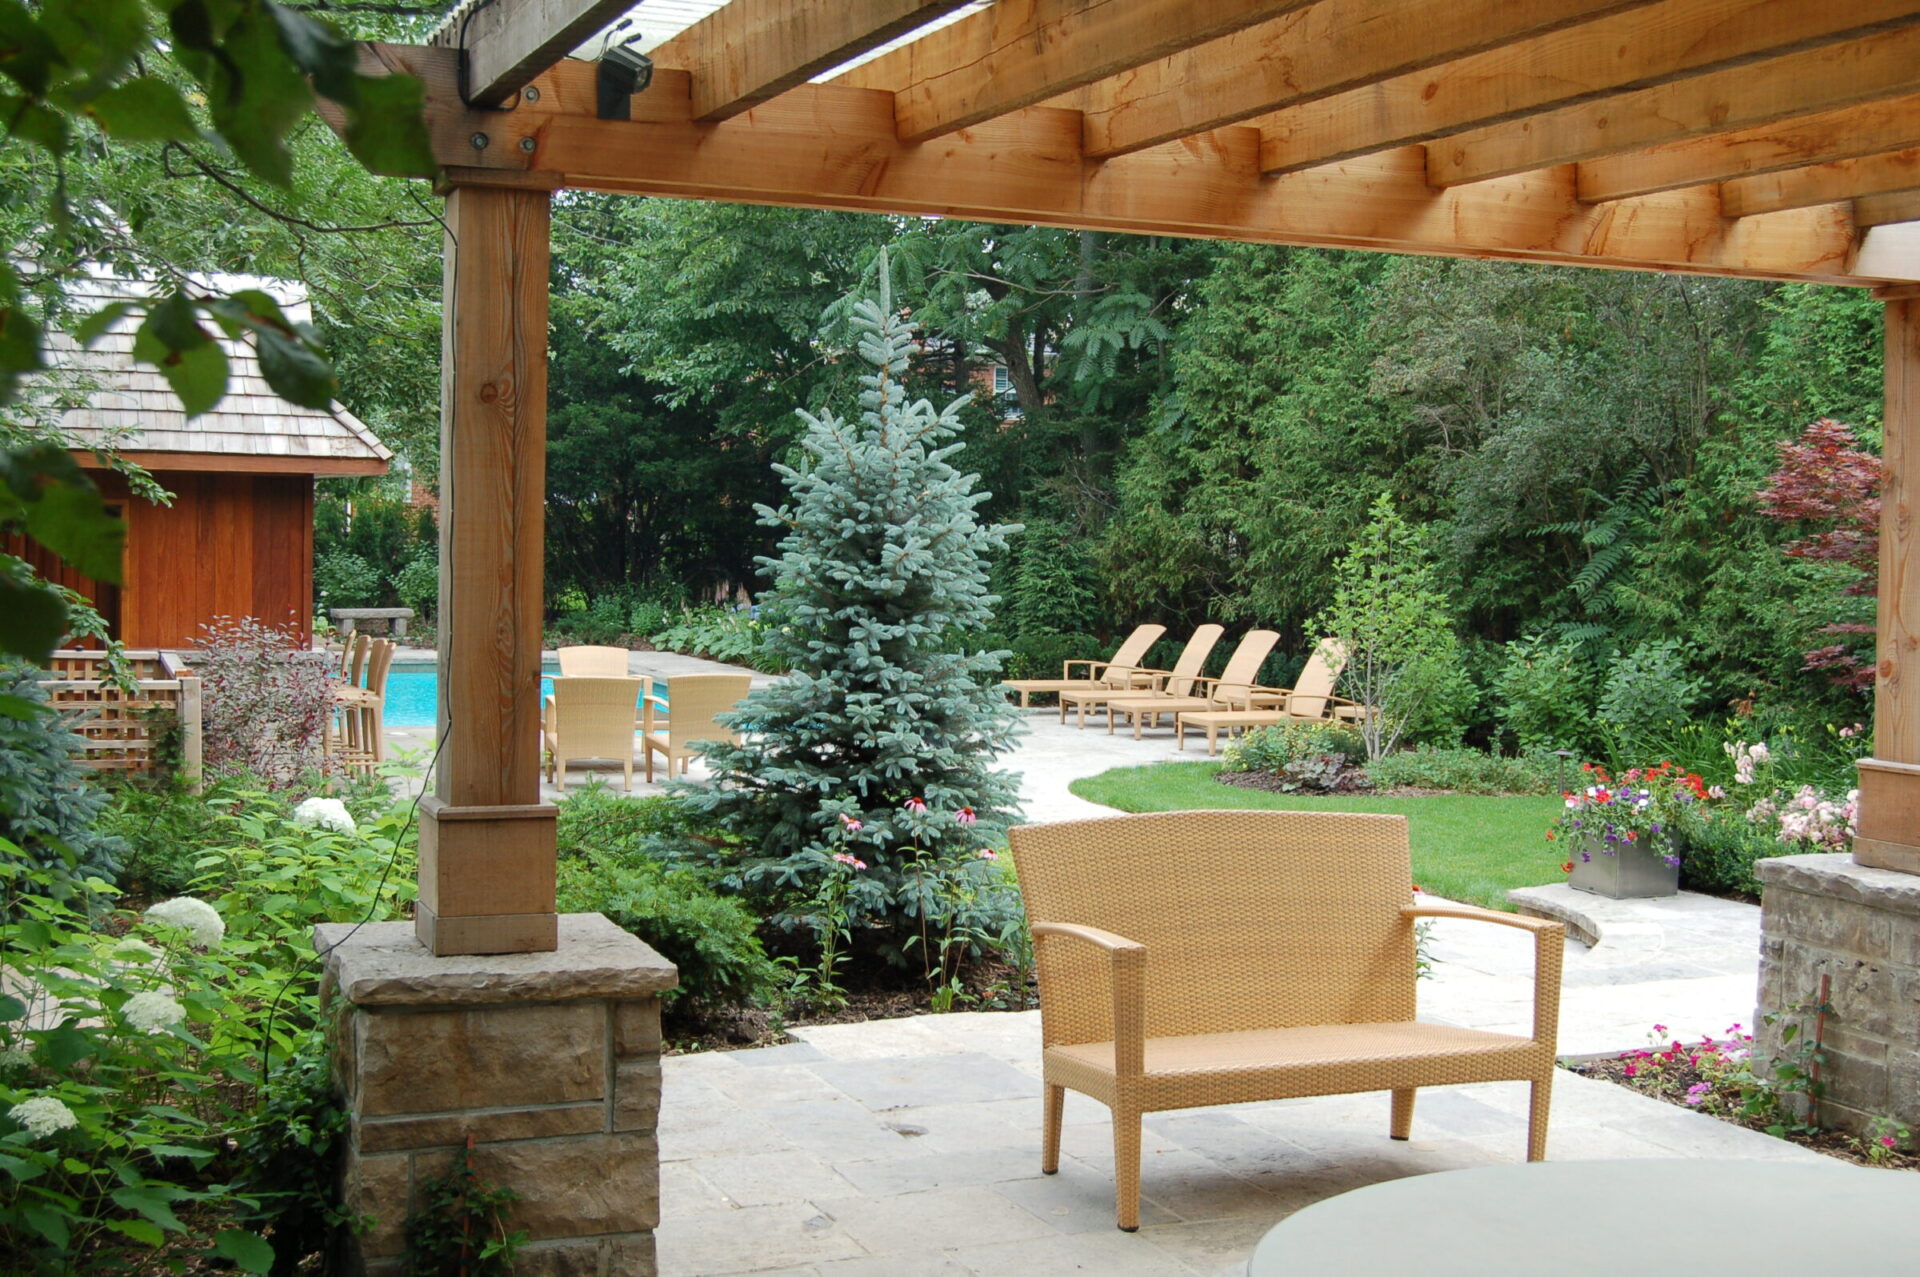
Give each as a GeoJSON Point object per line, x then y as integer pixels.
{"type": "Point", "coordinates": [131, 409]}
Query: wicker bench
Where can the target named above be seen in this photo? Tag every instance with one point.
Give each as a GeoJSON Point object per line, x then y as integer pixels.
{"type": "Point", "coordinates": [1220, 957]}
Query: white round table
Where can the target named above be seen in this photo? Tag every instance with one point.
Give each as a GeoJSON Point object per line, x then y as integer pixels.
{"type": "Point", "coordinates": [1604, 1219]}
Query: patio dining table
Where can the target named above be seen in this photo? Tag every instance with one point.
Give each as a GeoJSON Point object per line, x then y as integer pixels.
{"type": "Point", "coordinates": [1600, 1219]}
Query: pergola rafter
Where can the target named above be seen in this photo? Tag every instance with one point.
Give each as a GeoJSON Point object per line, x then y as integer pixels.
{"type": "Point", "coordinates": [1767, 139]}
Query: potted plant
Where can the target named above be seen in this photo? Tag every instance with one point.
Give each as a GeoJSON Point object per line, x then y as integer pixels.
{"type": "Point", "coordinates": [1619, 836]}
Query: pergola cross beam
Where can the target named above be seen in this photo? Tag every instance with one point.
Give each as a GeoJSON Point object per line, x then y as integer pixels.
{"type": "Point", "coordinates": [509, 42]}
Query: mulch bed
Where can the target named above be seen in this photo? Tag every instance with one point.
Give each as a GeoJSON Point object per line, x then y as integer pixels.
{"type": "Point", "coordinates": [1672, 1085]}
{"type": "Point", "coordinates": [891, 997]}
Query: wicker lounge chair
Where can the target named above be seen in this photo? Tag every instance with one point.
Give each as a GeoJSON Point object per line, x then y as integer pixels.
{"type": "Point", "coordinates": [1117, 672]}
{"type": "Point", "coordinates": [1177, 681]}
{"type": "Point", "coordinates": [1310, 699]}
{"type": "Point", "coordinates": [695, 700]}
{"type": "Point", "coordinates": [1219, 957]}
{"type": "Point", "coordinates": [591, 718]}
{"type": "Point", "coordinates": [1234, 688]}
{"type": "Point", "coordinates": [593, 662]}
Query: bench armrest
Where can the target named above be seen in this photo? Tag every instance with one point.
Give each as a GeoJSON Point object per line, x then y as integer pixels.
{"type": "Point", "coordinates": [1127, 974]}
{"type": "Point", "coordinates": [1549, 950]}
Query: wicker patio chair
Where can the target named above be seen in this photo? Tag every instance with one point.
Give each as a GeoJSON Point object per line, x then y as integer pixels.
{"type": "Point", "coordinates": [1219, 957]}
{"type": "Point", "coordinates": [589, 718]}
{"type": "Point", "coordinates": [695, 701]}
{"type": "Point", "coordinates": [1116, 672]}
{"type": "Point", "coordinates": [1177, 681]}
{"type": "Point", "coordinates": [1232, 690]}
{"type": "Point", "coordinates": [593, 662]}
{"type": "Point", "coordinates": [1310, 699]}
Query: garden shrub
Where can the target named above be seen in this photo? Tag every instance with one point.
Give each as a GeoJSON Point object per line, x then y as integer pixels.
{"type": "Point", "coordinates": [147, 1033]}
{"type": "Point", "coordinates": [1544, 694]}
{"type": "Point", "coordinates": [1272, 749]}
{"type": "Point", "coordinates": [417, 585]}
{"type": "Point", "coordinates": [1719, 853]}
{"type": "Point", "coordinates": [1395, 621]}
{"type": "Point", "coordinates": [712, 939]}
{"type": "Point", "coordinates": [1040, 655]}
{"type": "Point", "coordinates": [1466, 771]}
{"type": "Point", "coordinates": [1647, 693]}
{"type": "Point", "coordinates": [598, 821]}
{"type": "Point", "coordinates": [267, 701]}
{"type": "Point", "coordinates": [734, 635]}
{"type": "Point", "coordinates": [1448, 704]}
{"type": "Point", "coordinates": [342, 578]}
{"type": "Point", "coordinates": [47, 808]}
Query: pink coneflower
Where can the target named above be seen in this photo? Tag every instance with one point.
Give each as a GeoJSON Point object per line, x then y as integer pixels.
{"type": "Point", "coordinates": [845, 859]}
{"type": "Point", "coordinates": [987, 853]}
{"type": "Point", "coordinates": [851, 825]}
{"type": "Point", "coordinates": [965, 816]}
{"type": "Point", "coordinates": [914, 805]}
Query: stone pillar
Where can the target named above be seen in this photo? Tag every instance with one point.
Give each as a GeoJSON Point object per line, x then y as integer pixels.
{"type": "Point", "coordinates": [1859, 926]}
{"type": "Point", "coordinates": [550, 1061]}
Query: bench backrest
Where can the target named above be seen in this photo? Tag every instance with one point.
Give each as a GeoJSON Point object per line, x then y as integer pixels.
{"type": "Point", "coordinates": [1251, 919]}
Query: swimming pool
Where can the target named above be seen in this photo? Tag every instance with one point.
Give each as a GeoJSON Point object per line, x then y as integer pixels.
{"type": "Point", "coordinates": [414, 691]}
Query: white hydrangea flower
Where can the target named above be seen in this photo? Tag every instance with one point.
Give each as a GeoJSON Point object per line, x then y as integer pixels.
{"type": "Point", "coordinates": [324, 813]}
{"type": "Point", "coordinates": [43, 1116]}
{"type": "Point", "coordinates": [199, 919]}
{"type": "Point", "coordinates": [153, 1012]}
{"type": "Point", "coordinates": [15, 1057]}
{"type": "Point", "coordinates": [133, 949]}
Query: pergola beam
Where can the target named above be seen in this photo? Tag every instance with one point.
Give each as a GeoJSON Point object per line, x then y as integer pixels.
{"type": "Point", "coordinates": [824, 146]}
{"type": "Point", "coordinates": [1887, 210]}
{"type": "Point", "coordinates": [1620, 54]}
{"type": "Point", "coordinates": [1825, 138]}
{"type": "Point", "coordinates": [1012, 55]}
{"type": "Point", "coordinates": [509, 42]}
{"type": "Point", "coordinates": [1831, 77]}
{"type": "Point", "coordinates": [1822, 183]}
{"type": "Point", "coordinates": [750, 50]}
{"type": "Point", "coordinates": [1332, 46]}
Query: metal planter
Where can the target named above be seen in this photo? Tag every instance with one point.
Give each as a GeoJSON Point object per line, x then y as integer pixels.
{"type": "Point", "coordinates": [1632, 872]}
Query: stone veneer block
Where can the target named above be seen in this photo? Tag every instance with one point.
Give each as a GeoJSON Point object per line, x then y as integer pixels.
{"type": "Point", "coordinates": [1825, 915]}
{"type": "Point", "coordinates": [548, 1062]}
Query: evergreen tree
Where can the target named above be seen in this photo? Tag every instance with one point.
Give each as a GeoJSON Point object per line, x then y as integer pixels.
{"type": "Point", "coordinates": [880, 744]}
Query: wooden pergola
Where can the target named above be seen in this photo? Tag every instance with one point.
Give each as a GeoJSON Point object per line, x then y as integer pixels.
{"type": "Point", "coordinates": [1763, 139]}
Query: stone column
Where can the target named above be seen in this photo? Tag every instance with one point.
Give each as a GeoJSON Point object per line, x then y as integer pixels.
{"type": "Point", "coordinates": [550, 1061]}
{"type": "Point", "coordinates": [1824, 915]}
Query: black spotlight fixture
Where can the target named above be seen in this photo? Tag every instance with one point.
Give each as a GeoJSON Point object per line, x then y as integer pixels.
{"type": "Point", "coordinates": [623, 72]}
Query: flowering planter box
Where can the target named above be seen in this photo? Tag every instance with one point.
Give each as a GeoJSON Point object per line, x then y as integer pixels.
{"type": "Point", "coordinates": [1628, 872]}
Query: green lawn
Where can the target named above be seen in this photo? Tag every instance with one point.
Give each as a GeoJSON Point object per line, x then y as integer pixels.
{"type": "Point", "coordinates": [1465, 847]}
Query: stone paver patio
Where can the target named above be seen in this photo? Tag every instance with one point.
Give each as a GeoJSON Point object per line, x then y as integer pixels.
{"type": "Point", "coordinates": [911, 1147]}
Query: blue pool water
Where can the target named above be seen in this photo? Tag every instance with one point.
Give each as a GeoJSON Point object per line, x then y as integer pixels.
{"type": "Point", "coordinates": [413, 693]}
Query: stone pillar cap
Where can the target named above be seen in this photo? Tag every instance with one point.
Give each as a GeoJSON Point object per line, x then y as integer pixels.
{"type": "Point", "coordinates": [1836, 874]}
{"type": "Point", "coordinates": [382, 964]}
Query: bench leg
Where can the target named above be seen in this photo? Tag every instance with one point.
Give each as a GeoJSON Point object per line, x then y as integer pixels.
{"type": "Point", "coordinates": [1050, 1130]}
{"type": "Point", "coordinates": [1402, 1124]}
{"type": "Point", "coordinates": [1126, 1170]}
{"type": "Point", "coordinates": [1542, 1100]}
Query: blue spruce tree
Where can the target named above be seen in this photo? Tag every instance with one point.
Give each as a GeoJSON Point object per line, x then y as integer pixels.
{"type": "Point", "coordinates": [879, 747]}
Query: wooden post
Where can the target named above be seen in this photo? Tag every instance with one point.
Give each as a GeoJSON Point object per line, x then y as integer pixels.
{"type": "Point", "coordinates": [486, 839]}
{"type": "Point", "coordinates": [1889, 819]}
